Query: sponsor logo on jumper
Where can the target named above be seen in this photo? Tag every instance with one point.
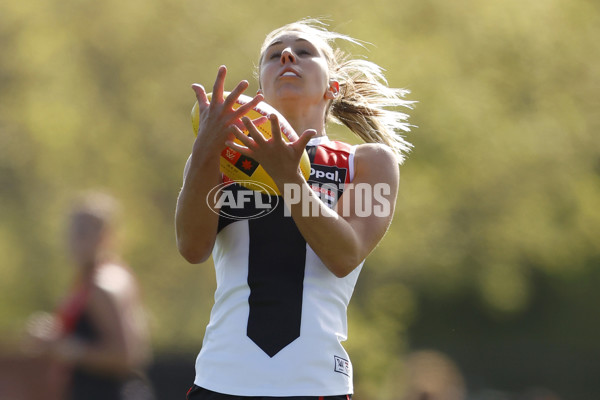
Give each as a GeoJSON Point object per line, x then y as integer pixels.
{"type": "Point", "coordinates": [342, 366]}
{"type": "Point", "coordinates": [326, 174]}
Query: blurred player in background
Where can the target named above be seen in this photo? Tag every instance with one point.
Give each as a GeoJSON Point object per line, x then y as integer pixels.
{"type": "Point", "coordinates": [98, 336]}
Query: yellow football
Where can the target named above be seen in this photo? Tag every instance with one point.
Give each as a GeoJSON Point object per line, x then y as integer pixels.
{"type": "Point", "coordinates": [245, 170]}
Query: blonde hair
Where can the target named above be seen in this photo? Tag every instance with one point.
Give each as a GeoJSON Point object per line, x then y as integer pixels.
{"type": "Point", "coordinates": [364, 94]}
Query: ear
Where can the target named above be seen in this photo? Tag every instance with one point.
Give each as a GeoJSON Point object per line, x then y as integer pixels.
{"type": "Point", "coordinates": [333, 90]}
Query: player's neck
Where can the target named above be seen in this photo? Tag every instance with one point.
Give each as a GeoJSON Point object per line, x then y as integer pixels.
{"type": "Point", "coordinates": [305, 118]}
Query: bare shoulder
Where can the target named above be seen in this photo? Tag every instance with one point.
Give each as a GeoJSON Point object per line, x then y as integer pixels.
{"type": "Point", "coordinates": [114, 282]}
{"type": "Point", "coordinates": [375, 158]}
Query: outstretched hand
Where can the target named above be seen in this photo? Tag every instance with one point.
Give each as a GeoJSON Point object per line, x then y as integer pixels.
{"type": "Point", "coordinates": [217, 115]}
{"type": "Point", "coordinates": [279, 158]}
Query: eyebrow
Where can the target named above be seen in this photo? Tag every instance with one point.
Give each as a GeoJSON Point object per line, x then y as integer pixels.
{"type": "Point", "coordinates": [280, 42]}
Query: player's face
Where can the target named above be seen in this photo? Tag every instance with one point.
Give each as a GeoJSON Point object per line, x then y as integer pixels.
{"type": "Point", "coordinates": [292, 67]}
{"type": "Point", "coordinates": [85, 238]}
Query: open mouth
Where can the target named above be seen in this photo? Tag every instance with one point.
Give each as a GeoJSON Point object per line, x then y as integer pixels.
{"type": "Point", "coordinates": [290, 74]}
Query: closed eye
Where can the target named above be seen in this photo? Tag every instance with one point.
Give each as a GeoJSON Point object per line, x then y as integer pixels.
{"type": "Point", "coordinates": [300, 52]}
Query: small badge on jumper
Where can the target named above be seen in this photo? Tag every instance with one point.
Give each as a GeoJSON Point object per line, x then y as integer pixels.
{"type": "Point", "coordinates": [342, 366]}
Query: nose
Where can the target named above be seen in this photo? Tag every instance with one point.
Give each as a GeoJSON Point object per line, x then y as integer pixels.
{"type": "Point", "coordinates": [287, 56]}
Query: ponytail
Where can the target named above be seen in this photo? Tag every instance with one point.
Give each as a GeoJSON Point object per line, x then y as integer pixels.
{"type": "Point", "coordinates": [363, 101]}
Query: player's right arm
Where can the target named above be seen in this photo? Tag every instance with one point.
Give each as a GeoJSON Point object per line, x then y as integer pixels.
{"type": "Point", "coordinates": [195, 222]}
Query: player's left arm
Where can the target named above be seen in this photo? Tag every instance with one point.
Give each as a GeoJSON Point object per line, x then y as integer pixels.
{"type": "Point", "coordinates": [345, 236]}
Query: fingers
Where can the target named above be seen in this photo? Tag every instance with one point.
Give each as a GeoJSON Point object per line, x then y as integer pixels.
{"type": "Point", "coordinates": [259, 121]}
{"type": "Point", "coordinates": [233, 96]}
{"type": "Point", "coordinates": [246, 141]}
{"type": "Point", "coordinates": [275, 128]}
{"type": "Point", "coordinates": [240, 149]}
{"type": "Point", "coordinates": [256, 122]}
{"type": "Point", "coordinates": [218, 94]}
{"type": "Point", "coordinates": [218, 87]}
{"type": "Point", "coordinates": [200, 94]}
{"type": "Point", "coordinates": [239, 135]}
{"type": "Point", "coordinates": [242, 110]}
{"type": "Point", "coordinates": [252, 131]}
{"type": "Point", "coordinates": [305, 138]}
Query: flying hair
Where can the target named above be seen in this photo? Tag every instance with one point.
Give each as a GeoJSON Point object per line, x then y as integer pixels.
{"type": "Point", "coordinates": [365, 103]}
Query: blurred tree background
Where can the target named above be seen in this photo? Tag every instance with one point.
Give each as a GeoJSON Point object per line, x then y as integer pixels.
{"type": "Point", "coordinates": [493, 257]}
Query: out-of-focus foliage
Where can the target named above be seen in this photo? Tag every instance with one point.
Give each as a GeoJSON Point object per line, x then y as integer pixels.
{"type": "Point", "coordinates": [503, 185]}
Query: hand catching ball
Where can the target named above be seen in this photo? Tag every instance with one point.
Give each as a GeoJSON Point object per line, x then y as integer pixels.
{"type": "Point", "coordinates": [246, 170]}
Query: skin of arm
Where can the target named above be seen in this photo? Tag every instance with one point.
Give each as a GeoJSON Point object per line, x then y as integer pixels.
{"type": "Point", "coordinates": [196, 224]}
{"type": "Point", "coordinates": [341, 238]}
